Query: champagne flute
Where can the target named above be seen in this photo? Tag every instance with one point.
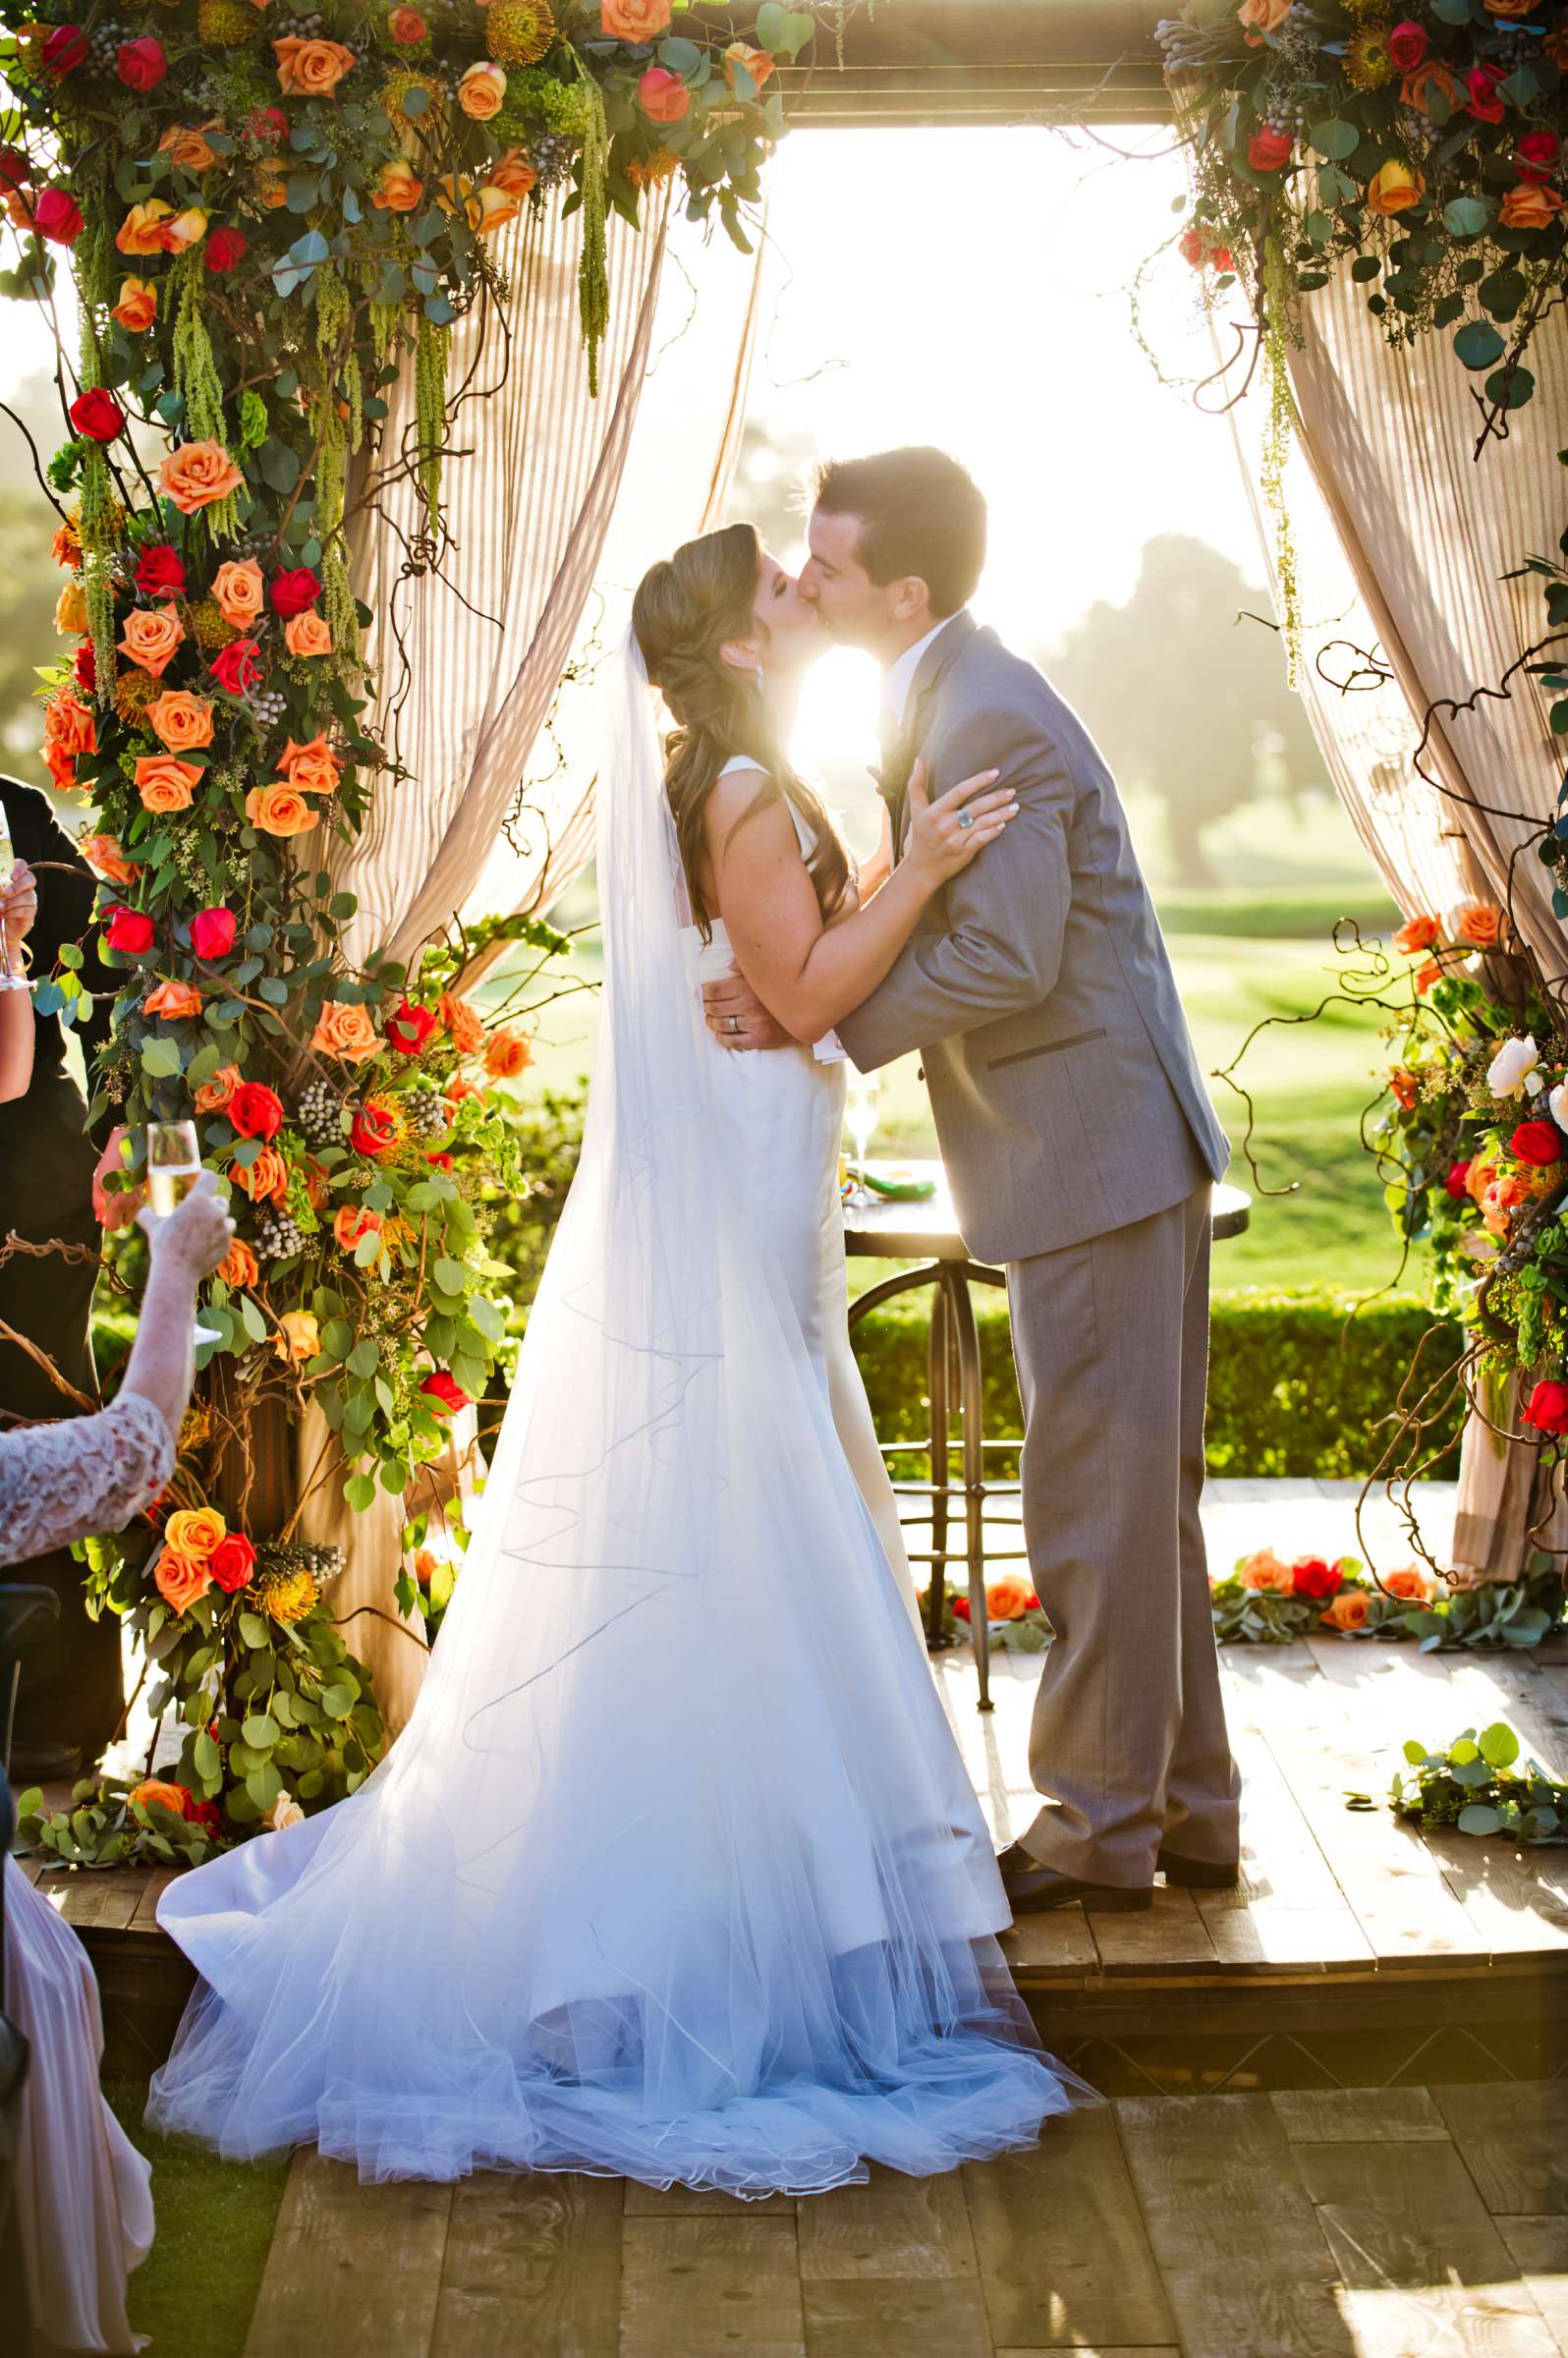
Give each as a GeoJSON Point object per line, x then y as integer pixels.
{"type": "Point", "coordinates": [10, 980]}
{"type": "Point", "coordinates": [859, 1114]}
{"type": "Point", "coordinates": [174, 1165]}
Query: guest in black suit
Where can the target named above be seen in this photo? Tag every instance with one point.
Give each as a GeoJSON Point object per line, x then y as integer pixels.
{"type": "Point", "coordinates": [70, 1696]}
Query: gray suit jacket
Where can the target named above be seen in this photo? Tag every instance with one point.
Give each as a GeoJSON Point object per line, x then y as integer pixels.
{"type": "Point", "coordinates": [1066, 1090]}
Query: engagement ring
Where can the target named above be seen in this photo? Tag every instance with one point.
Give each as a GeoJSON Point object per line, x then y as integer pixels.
{"type": "Point", "coordinates": [965, 818]}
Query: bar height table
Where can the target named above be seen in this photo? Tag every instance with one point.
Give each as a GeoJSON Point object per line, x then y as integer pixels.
{"type": "Point", "coordinates": [925, 1230]}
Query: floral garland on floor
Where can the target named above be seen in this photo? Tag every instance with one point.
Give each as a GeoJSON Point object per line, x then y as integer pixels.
{"type": "Point", "coordinates": [269, 216]}
{"type": "Point", "coordinates": [1265, 1601]}
{"type": "Point", "coordinates": [1475, 1786]}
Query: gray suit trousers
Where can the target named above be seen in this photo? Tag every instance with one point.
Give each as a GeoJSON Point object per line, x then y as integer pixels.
{"type": "Point", "coordinates": [1128, 1746]}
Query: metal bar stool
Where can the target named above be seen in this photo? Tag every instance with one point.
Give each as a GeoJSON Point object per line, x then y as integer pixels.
{"type": "Point", "coordinates": [925, 1231]}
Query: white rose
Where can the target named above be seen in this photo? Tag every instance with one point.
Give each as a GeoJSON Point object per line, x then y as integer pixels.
{"type": "Point", "coordinates": [1557, 1105]}
{"type": "Point", "coordinates": [285, 1810]}
{"type": "Point", "coordinates": [1510, 1069]}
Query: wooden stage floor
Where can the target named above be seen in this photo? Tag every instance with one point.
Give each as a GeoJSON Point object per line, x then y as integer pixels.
{"type": "Point", "coordinates": [1355, 1951]}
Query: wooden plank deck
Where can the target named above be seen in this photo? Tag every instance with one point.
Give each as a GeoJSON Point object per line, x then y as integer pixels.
{"type": "Point", "coordinates": [1352, 2223]}
{"type": "Point", "coordinates": [1346, 1922]}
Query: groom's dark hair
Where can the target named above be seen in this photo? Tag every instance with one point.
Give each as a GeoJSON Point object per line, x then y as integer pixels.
{"type": "Point", "coordinates": [920, 513]}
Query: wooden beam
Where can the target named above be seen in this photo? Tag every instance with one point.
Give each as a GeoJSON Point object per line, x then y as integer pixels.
{"type": "Point", "coordinates": [974, 63]}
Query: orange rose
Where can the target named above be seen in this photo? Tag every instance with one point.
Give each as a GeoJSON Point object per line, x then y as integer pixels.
{"type": "Point", "coordinates": [266, 1179]}
{"type": "Point", "coordinates": [137, 305]}
{"type": "Point", "coordinates": [1481, 925]}
{"type": "Point", "coordinates": [141, 230]}
{"type": "Point", "coordinates": [1478, 1178]}
{"type": "Point", "coordinates": [633, 19]}
{"type": "Point", "coordinates": [758, 63]}
{"type": "Point", "coordinates": [189, 149]}
{"type": "Point", "coordinates": [1395, 187]}
{"type": "Point", "coordinates": [354, 1222]}
{"type": "Point", "coordinates": [1416, 933]}
{"type": "Point", "coordinates": [1426, 976]}
{"type": "Point", "coordinates": [239, 1269]}
{"type": "Point", "coordinates": [398, 188]}
{"type": "Point", "coordinates": [151, 635]}
{"type": "Point", "coordinates": [238, 590]}
{"type": "Point", "coordinates": [462, 1024]}
{"type": "Point", "coordinates": [481, 90]}
{"type": "Point", "coordinates": [105, 857]}
{"type": "Point", "coordinates": [69, 724]}
{"type": "Point", "coordinates": [180, 1580]}
{"type": "Point", "coordinates": [214, 1095]}
{"type": "Point", "coordinates": [308, 634]}
{"type": "Point", "coordinates": [66, 546]}
{"type": "Point", "coordinates": [405, 26]}
{"type": "Point", "coordinates": [1556, 44]}
{"type": "Point", "coordinates": [1260, 17]}
{"type": "Point", "coordinates": [198, 475]}
{"type": "Point", "coordinates": [1265, 1570]}
{"type": "Point", "coordinates": [182, 720]}
{"type": "Point", "coordinates": [1007, 1599]}
{"type": "Point", "coordinates": [158, 1789]}
{"type": "Point", "coordinates": [1528, 205]}
{"type": "Point", "coordinates": [490, 209]}
{"type": "Point", "coordinates": [344, 1030]}
{"type": "Point", "coordinates": [514, 175]}
{"type": "Point", "coordinates": [1510, 8]}
{"type": "Point", "coordinates": [195, 1531]}
{"type": "Point", "coordinates": [1408, 1582]}
{"type": "Point", "coordinates": [71, 611]}
{"type": "Point", "coordinates": [507, 1053]}
{"type": "Point", "coordinates": [1405, 1086]}
{"type": "Point", "coordinates": [165, 784]}
{"type": "Point", "coordinates": [299, 1338]}
{"type": "Point", "coordinates": [1348, 1610]}
{"type": "Point", "coordinates": [311, 68]}
{"type": "Point", "coordinates": [175, 1002]}
{"type": "Point", "coordinates": [62, 767]}
{"type": "Point", "coordinates": [187, 229]}
{"type": "Point", "coordinates": [311, 769]}
{"type": "Point", "coordinates": [1417, 87]}
{"type": "Point", "coordinates": [278, 810]}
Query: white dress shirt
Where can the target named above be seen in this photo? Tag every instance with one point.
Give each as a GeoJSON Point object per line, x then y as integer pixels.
{"type": "Point", "coordinates": [898, 677]}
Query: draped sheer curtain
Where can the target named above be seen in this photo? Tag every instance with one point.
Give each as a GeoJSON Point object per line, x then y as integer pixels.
{"type": "Point", "coordinates": [552, 504]}
{"type": "Point", "coordinates": [1401, 535]}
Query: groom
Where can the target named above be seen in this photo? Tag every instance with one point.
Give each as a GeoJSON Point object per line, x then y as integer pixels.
{"type": "Point", "coordinates": [1081, 1147]}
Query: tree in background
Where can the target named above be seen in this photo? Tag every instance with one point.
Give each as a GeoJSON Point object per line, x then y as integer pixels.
{"type": "Point", "coordinates": [1184, 695]}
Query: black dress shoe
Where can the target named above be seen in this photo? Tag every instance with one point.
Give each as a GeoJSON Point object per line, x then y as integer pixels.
{"type": "Point", "coordinates": [1203, 1874]}
{"type": "Point", "coordinates": [1029, 1888]}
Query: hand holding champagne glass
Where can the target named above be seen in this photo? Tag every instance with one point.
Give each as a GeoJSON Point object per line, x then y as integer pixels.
{"type": "Point", "coordinates": [174, 1165]}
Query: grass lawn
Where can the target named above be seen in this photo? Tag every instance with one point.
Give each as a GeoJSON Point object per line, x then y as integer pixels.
{"type": "Point", "coordinates": [196, 2290]}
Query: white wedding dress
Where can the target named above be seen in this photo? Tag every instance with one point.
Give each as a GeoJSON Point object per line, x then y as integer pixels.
{"type": "Point", "coordinates": [675, 1873]}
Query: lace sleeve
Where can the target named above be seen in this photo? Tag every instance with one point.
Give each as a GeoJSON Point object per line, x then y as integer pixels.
{"type": "Point", "coordinates": [60, 1483]}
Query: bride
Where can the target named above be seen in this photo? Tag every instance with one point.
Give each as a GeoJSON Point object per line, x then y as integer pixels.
{"type": "Point", "coordinates": [675, 1873]}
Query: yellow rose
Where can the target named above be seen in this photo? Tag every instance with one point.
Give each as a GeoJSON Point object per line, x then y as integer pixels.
{"type": "Point", "coordinates": [187, 229]}
{"type": "Point", "coordinates": [195, 1531]}
{"type": "Point", "coordinates": [1395, 187]}
{"type": "Point", "coordinates": [488, 208]}
{"type": "Point", "coordinates": [299, 1338]}
{"type": "Point", "coordinates": [398, 188]}
{"type": "Point", "coordinates": [141, 230]}
{"type": "Point", "coordinates": [71, 610]}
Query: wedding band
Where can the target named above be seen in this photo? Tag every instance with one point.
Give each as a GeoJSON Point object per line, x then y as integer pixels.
{"type": "Point", "coordinates": [965, 818]}
{"type": "Point", "coordinates": [732, 1023]}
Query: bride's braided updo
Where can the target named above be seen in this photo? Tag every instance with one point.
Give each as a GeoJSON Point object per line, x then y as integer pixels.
{"type": "Point", "coordinates": [688, 608]}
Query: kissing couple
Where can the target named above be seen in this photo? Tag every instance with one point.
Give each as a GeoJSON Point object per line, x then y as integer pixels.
{"type": "Point", "coordinates": [676, 1873]}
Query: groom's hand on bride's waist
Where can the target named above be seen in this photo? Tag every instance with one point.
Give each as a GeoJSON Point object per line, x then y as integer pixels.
{"type": "Point", "coordinates": [737, 1016]}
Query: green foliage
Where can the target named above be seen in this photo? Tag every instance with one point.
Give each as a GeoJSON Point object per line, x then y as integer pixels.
{"type": "Point", "coordinates": [195, 2292]}
{"type": "Point", "coordinates": [1475, 1784]}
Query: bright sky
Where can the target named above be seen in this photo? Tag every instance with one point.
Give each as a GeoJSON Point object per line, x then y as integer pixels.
{"type": "Point", "coordinates": [970, 288]}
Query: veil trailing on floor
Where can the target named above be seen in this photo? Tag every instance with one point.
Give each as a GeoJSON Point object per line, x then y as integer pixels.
{"type": "Point", "coordinates": [675, 1872]}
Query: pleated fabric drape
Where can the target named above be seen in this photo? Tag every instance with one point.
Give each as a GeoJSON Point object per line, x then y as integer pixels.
{"type": "Point", "coordinates": [553, 507]}
{"type": "Point", "coordinates": [1400, 536]}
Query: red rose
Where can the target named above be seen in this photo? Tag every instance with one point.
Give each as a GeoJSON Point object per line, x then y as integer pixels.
{"type": "Point", "coordinates": [1547, 1408]}
{"type": "Point", "coordinates": [961, 1608]}
{"type": "Point", "coordinates": [662, 96]}
{"type": "Point", "coordinates": [1538, 153]}
{"type": "Point", "coordinates": [440, 1161]}
{"type": "Point", "coordinates": [1484, 102]}
{"type": "Point", "coordinates": [1458, 1181]}
{"type": "Point", "coordinates": [235, 667]}
{"type": "Point", "coordinates": [231, 1562]}
{"type": "Point", "coordinates": [1407, 45]}
{"type": "Point", "coordinates": [129, 930]}
{"type": "Point", "coordinates": [372, 1130]}
{"type": "Point", "coordinates": [140, 64]}
{"type": "Point", "coordinates": [57, 216]}
{"type": "Point", "coordinates": [1312, 1576]}
{"type": "Point", "coordinates": [1268, 150]}
{"type": "Point", "coordinates": [223, 250]}
{"type": "Point", "coordinates": [212, 932]}
{"type": "Point", "coordinates": [293, 591]}
{"type": "Point", "coordinates": [86, 665]}
{"type": "Point", "coordinates": [65, 49]}
{"type": "Point", "coordinates": [1538, 1142]}
{"type": "Point", "coordinates": [444, 1393]}
{"type": "Point", "coordinates": [14, 168]}
{"type": "Point", "coordinates": [98, 415]}
{"type": "Point", "coordinates": [160, 571]}
{"type": "Point", "coordinates": [407, 1028]}
{"type": "Point", "coordinates": [256, 1110]}
{"type": "Point", "coordinates": [268, 126]}
{"type": "Point", "coordinates": [207, 1815]}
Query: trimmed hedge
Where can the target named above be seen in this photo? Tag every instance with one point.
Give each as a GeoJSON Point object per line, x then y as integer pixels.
{"type": "Point", "coordinates": [1296, 1383]}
